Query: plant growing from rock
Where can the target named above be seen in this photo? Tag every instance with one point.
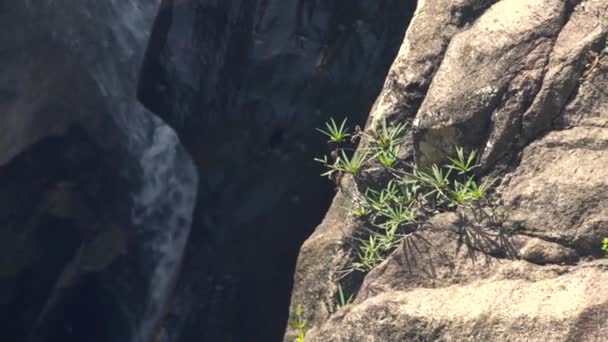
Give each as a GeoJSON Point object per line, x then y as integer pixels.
{"type": "Point", "coordinates": [409, 197]}
{"type": "Point", "coordinates": [605, 245]}
{"type": "Point", "coordinates": [335, 133]}
{"type": "Point", "coordinates": [299, 323]}
{"type": "Point", "coordinates": [342, 300]}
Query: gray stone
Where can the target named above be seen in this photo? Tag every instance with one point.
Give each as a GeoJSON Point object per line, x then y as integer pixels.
{"type": "Point", "coordinates": [513, 82]}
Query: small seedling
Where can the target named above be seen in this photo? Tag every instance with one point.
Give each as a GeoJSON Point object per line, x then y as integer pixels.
{"type": "Point", "coordinates": [461, 164]}
{"type": "Point", "coordinates": [342, 300]}
{"type": "Point", "coordinates": [461, 193]}
{"type": "Point", "coordinates": [397, 214]}
{"type": "Point", "coordinates": [477, 192]}
{"type": "Point", "coordinates": [350, 165]}
{"type": "Point", "coordinates": [332, 167]}
{"type": "Point", "coordinates": [389, 239]}
{"type": "Point", "coordinates": [360, 208]}
{"type": "Point", "coordinates": [388, 136]}
{"type": "Point", "coordinates": [605, 245]}
{"type": "Point", "coordinates": [437, 181]}
{"type": "Point", "coordinates": [388, 156]}
{"type": "Point", "coordinates": [343, 164]}
{"type": "Point", "coordinates": [369, 255]}
{"type": "Point", "coordinates": [335, 133]}
{"type": "Point", "coordinates": [299, 323]}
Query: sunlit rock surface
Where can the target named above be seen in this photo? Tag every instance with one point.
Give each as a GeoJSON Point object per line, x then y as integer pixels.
{"type": "Point", "coordinates": [521, 82]}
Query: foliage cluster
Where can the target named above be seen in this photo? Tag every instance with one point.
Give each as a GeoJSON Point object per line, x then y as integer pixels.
{"type": "Point", "coordinates": [410, 195]}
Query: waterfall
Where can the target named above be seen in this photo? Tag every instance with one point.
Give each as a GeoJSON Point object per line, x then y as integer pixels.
{"type": "Point", "coordinates": [164, 207]}
{"type": "Point", "coordinates": [164, 202]}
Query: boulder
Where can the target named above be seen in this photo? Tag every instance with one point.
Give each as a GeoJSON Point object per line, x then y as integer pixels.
{"type": "Point", "coordinates": [522, 83]}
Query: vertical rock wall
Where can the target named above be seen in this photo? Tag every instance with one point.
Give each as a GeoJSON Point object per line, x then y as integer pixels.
{"type": "Point", "coordinates": [521, 82]}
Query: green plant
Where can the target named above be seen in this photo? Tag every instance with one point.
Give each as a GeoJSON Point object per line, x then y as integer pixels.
{"type": "Point", "coordinates": [605, 245]}
{"type": "Point", "coordinates": [461, 164]}
{"type": "Point", "coordinates": [478, 192]}
{"type": "Point", "coordinates": [342, 299]}
{"type": "Point", "coordinates": [360, 208]}
{"type": "Point", "coordinates": [369, 255]}
{"type": "Point", "coordinates": [343, 163]}
{"type": "Point", "coordinates": [396, 214]}
{"type": "Point", "coordinates": [377, 200]}
{"type": "Point", "coordinates": [350, 165]}
{"type": "Point", "coordinates": [299, 323]}
{"type": "Point", "coordinates": [387, 136]}
{"type": "Point", "coordinates": [436, 181]}
{"type": "Point", "coordinates": [331, 167]}
{"type": "Point", "coordinates": [335, 133]}
{"type": "Point", "coordinates": [388, 156]}
{"type": "Point", "coordinates": [409, 197]}
{"type": "Point", "coordinates": [461, 193]}
{"type": "Point", "coordinates": [388, 239]}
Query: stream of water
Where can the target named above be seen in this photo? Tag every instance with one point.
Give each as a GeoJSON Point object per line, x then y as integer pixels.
{"type": "Point", "coordinates": [164, 203]}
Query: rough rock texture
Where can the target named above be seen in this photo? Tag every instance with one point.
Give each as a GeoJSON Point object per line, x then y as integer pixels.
{"type": "Point", "coordinates": [244, 83]}
{"type": "Point", "coordinates": [523, 82]}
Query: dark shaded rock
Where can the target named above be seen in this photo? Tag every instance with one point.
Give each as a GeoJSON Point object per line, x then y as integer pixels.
{"type": "Point", "coordinates": [59, 215]}
{"type": "Point", "coordinates": [83, 176]}
{"type": "Point", "coordinates": [244, 83]}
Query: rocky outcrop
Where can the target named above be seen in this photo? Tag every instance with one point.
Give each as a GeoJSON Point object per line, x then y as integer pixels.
{"type": "Point", "coordinates": [522, 82]}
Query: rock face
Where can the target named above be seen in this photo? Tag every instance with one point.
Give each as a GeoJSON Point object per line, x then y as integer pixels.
{"type": "Point", "coordinates": [75, 240]}
{"type": "Point", "coordinates": [59, 161]}
{"type": "Point", "coordinates": [523, 82]}
{"type": "Point", "coordinates": [244, 83]}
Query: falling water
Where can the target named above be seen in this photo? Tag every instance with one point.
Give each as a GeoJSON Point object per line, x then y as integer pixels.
{"type": "Point", "coordinates": [164, 200]}
{"type": "Point", "coordinates": [164, 204]}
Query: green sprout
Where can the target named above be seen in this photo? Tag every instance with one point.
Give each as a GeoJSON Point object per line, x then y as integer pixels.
{"type": "Point", "coordinates": [335, 133]}
{"type": "Point", "coordinates": [370, 255]}
{"type": "Point", "coordinates": [461, 164]}
{"type": "Point", "coordinates": [388, 156]}
{"type": "Point", "coordinates": [361, 208]}
{"type": "Point", "coordinates": [388, 136]}
{"type": "Point", "coordinates": [397, 214]}
{"type": "Point", "coordinates": [332, 168]}
{"type": "Point", "coordinates": [436, 180]}
{"type": "Point", "coordinates": [350, 165]}
{"type": "Point", "coordinates": [477, 192]}
{"type": "Point", "coordinates": [342, 299]}
{"type": "Point", "coordinates": [299, 323]}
